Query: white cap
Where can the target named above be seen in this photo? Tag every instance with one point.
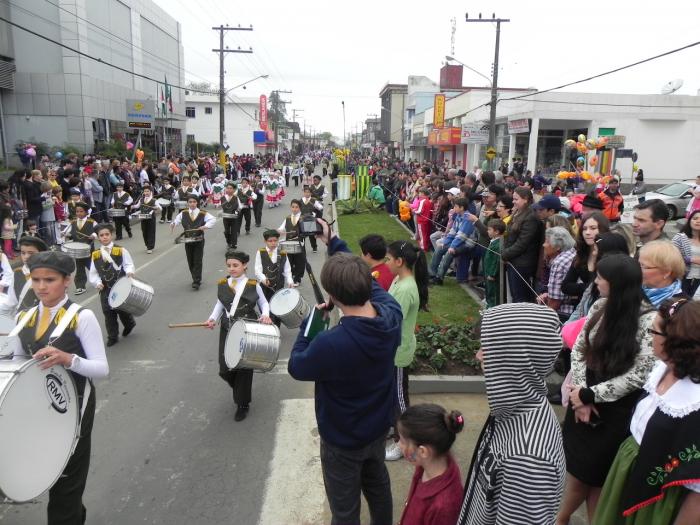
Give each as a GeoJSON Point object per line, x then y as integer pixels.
{"type": "Point", "coordinates": [453, 191]}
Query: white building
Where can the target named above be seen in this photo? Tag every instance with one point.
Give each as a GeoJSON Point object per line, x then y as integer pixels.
{"type": "Point", "coordinates": [240, 121]}
{"type": "Point", "coordinates": [58, 96]}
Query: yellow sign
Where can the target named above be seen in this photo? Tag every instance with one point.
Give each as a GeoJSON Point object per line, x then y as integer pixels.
{"type": "Point", "coordinates": [439, 111]}
{"type": "Point", "coordinates": [138, 106]}
{"type": "Point", "coordinates": [491, 153]}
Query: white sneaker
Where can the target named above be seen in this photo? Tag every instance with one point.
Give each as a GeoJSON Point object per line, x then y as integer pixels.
{"type": "Point", "coordinates": [149, 251]}
{"type": "Point", "coordinates": [393, 452]}
{"type": "Point", "coordinates": [80, 291]}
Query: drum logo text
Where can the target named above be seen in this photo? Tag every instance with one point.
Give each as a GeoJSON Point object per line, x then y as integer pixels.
{"type": "Point", "coordinates": [57, 392]}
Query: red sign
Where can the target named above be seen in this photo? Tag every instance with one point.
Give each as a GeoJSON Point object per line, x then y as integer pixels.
{"type": "Point", "coordinates": [445, 137]}
{"type": "Point", "coordinates": [263, 112]}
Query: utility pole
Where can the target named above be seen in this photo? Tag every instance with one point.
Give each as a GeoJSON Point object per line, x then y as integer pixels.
{"type": "Point", "coordinates": [276, 102]}
{"type": "Point", "coordinates": [294, 120]}
{"type": "Point", "coordinates": [494, 82]}
{"type": "Point", "coordinates": [222, 51]}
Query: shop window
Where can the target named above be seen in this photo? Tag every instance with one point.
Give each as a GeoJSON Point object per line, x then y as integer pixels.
{"type": "Point", "coordinates": [207, 111]}
{"type": "Point", "coordinates": [189, 112]}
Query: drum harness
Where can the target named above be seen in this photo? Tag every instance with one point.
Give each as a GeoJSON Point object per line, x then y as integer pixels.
{"type": "Point", "coordinates": [55, 335]}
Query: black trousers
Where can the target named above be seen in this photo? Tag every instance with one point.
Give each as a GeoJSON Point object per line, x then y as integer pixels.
{"type": "Point", "coordinates": [148, 229]}
{"type": "Point", "coordinates": [195, 253]}
{"type": "Point", "coordinates": [241, 381]}
{"type": "Point", "coordinates": [349, 473]}
{"type": "Point", "coordinates": [296, 180]}
{"type": "Point", "coordinates": [257, 209]}
{"type": "Point", "coordinates": [268, 292]}
{"type": "Point", "coordinates": [297, 261]}
{"type": "Point", "coordinates": [244, 214]}
{"type": "Point", "coordinates": [231, 229]}
{"type": "Point", "coordinates": [113, 316]}
{"type": "Point", "coordinates": [82, 266]}
{"type": "Point", "coordinates": [166, 213]}
{"type": "Point", "coordinates": [401, 401]}
{"type": "Point", "coordinates": [120, 222]}
{"type": "Point", "coordinates": [334, 189]}
{"type": "Point", "coordinates": [66, 496]}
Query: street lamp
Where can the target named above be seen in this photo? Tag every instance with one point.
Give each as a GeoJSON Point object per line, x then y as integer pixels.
{"type": "Point", "coordinates": [246, 82]}
{"type": "Point", "coordinates": [453, 59]}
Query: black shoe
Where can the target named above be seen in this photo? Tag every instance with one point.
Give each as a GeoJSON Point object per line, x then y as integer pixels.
{"type": "Point", "coordinates": [112, 342]}
{"type": "Point", "coordinates": [128, 329]}
{"type": "Point", "coordinates": [241, 412]}
{"type": "Point", "coordinates": [247, 232]}
{"type": "Point", "coordinates": [130, 236]}
{"type": "Point", "coordinates": [257, 225]}
{"type": "Point", "coordinates": [315, 250]}
{"type": "Point", "coordinates": [118, 239]}
{"type": "Point", "coordinates": [195, 286]}
{"type": "Point", "coordinates": [437, 280]}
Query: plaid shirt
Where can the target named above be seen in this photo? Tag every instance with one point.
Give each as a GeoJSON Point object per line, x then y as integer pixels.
{"type": "Point", "coordinates": [557, 271]}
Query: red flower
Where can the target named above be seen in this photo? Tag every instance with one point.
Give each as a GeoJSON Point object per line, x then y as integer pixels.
{"type": "Point", "coordinates": [675, 462]}
{"type": "Point", "coordinates": [668, 467]}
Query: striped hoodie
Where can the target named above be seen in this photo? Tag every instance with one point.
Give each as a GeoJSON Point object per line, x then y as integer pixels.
{"type": "Point", "coordinates": [517, 470]}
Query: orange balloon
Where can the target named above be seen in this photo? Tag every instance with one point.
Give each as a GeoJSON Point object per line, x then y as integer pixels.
{"type": "Point", "coordinates": [581, 147]}
{"type": "Point", "coordinates": [593, 160]}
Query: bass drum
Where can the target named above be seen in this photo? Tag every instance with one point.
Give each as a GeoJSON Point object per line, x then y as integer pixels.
{"type": "Point", "coordinates": [252, 345]}
{"type": "Point", "coordinates": [39, 427]}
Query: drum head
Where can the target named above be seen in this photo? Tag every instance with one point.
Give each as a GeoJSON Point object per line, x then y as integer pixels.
{"type": "Point", "coordinates": [284, 301]}
{"type": "Point", "coordinates": [120, 292]}
{"type": "Point", "coordinates": [38, 426]}
{"type": "Point", "coordinates": [235, 344]}
{"type": "Point", "coordinates": [7, 323]}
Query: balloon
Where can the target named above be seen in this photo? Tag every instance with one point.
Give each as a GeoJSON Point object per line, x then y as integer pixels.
{"type": "Point", "coordinates": [580, 161]}
{"type": "Point", "coordinates": [582, 138]}
{"type": "Point", "coordinates": [601, 143]}
{"type": "Point", "coordinates": [593, 160]}
{"type": "Point", "coordinates": [571, 143]}
{"type": "Point", "coordinates": [591, 143]}
{"type": "Point", "coordinates": [59, 155]}
{"type": "Point", "coordinates": [31, 152]}
{"type": "Point", "coordinates": [635, 168]}
{"type": "Point", "coordinates": [581, 147]}
{"type": "Point", "coordinates": [139, 154]}
{"type": "Point", "coordinates": [129, 145]}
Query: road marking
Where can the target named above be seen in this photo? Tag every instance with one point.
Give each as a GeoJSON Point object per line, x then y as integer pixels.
{"type": "Point", "coordinates": [296, 451]}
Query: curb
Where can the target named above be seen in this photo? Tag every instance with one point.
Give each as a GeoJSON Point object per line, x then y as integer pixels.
{"type": "Point", "coordinates": [441, 384]}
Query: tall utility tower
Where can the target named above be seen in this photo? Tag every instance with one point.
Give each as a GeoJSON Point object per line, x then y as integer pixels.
{"type": "Point", "coordinates": [277, 102]}
{"type": "Point", "coordinates": [222, 51]}
{"type": "Point", "coordinates": [453, 23]}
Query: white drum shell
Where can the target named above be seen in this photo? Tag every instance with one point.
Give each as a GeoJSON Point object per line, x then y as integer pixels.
{"type": "Point", "coordinates": [252, 345]}
{"type": "Point", "coordinates": [77, 250]}
{"type": "Point", "coordinates": [6, 308]}
{"type": "Point", "coordinates": [39, 429]}
{"type": "Point", "coordinates": [181, 205]}
{"type": "Point", "coordinates": [292, 247]}
{"type": "Point", "coordinates": [131, 295]}
{"type": "Point", "coordinates": [116, 212]}
{"type": "Point", "coordinates": [144, 215]}
{"type": "Point", "coordinates": [289, 305]}
{"type": "Point", "coordinates": [163, 201]}
{"type": "Point", "coordinates": [229, 215]}
{"type": "Point", "coordinates": [7, 323]}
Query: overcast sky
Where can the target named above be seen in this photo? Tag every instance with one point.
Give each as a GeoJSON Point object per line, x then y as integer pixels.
{"type": "Point", "coordinates": [326, 52]}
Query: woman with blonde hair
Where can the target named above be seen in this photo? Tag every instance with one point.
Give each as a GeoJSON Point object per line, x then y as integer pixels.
{"type": "Point", "coordinates": [663, 268]}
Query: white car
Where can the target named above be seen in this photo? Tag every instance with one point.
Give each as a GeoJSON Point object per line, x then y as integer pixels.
{"type": "Point", "coordinates": [676, 195]}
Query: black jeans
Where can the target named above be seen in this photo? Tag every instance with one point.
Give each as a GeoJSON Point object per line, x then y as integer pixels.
{"type": "Point", "coordinates": [167, 213]}
{"type": "Point", "coordinates": [244, 214]}
{"type": "Point", "coordinates": [231, 229]}
{"type": "Point", "coordinates": [240, 381]}
{"type": "Point", "coordinates": [120, 222]}
{"type": "Point", "coordinates": [148, 230]}
{"type": "Point", "coordinates": [195, 253]}
{"type": "Point", "coordinates": [112, 317]}
{"type": "Point", "coordinates": [66, 496]}
{"type": "Point", "coordinates": [347, 472]}
{"type": "Point", "coordinates": [257, 210]}
{"type": "Point", "coordinates": [297, 262]}
{"type": "Point", "coordinates": [690, 286]}
{"type": "Point", "coordinates": [520, 284]}
{"type": "Point", "coordinates": [82, 266]}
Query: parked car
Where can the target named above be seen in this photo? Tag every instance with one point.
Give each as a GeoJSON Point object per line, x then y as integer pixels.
{"type": "Point", "coordinates": [676, 195]}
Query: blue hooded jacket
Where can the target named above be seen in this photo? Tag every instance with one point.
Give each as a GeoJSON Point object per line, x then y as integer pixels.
{"type": "Point", "coordinates": [353, 367]}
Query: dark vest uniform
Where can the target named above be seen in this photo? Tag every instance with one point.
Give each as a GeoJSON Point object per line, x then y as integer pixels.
{"type": "Point", "coordinates": [229, 206]}
{"type": "Point", "coordinates": [148, 207]}
{"type": "Point", "coordinates": [30, 298]}
{"type": "Point", "coordinates": [182, 194]}
{"type": "Point", "coordinates": [308, 208]}
{"type": "Point", "coordinates": [105, 269]}
{"type": "Point", "coordinates": [246, 305]}
{"type": "Point", "coordinates": [120, 202]}
{"type": "Point", "coordinates": [318, 192]}
{"type": "Point", "coordinates": [291, 230]}
{"type": "Point", "coordinates": [83, 234]}
{"type": "Point", "coordinates": [188, 224]}
{"type": "Point", "coordinates": [274, 271]}
{"type": "Point", "coordinates": [167, 193]}
{"type": "Point", "coordinates": [245, 197]}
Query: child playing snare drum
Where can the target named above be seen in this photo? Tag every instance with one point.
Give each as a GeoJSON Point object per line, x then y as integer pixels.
{"type": "Point", "coordinates": [237, 297]}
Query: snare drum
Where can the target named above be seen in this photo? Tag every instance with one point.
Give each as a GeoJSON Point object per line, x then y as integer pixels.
{"type": "Point", "coordinates": [39, 427]}
{"type": "Point", "coordinates": [290, 307]}
{"type": "Point", "coordinates": [116, 212]}
{"type": "Point", "coordinates": [164, 202]}
{"type": "Point", "coordinates": [131, 295]}
{"type": "Point", "coordinates": [77, 250]}
{"type": "Point", "coordinates": [6, 308]}
{"type": "Point", "coordinates": [229, 215]}
{"type": "Point", "coordinates": [250, 344]}
{"type": "Point", "coordinates": [180, 205]}
{"type": "Point", "coordinates": [143, 215]}
{"type": "Point", "coordinates": [290, 247]}
{"type": "Point", "coordinates": [22, 214]}
{"type": "Point", "coordinates": [181, 239]}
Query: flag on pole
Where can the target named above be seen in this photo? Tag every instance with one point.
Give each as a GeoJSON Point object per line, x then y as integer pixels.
{"type": "Point", "coordinates": [163, 108]}
{"type": "Point", "coordinates": [168, 95]}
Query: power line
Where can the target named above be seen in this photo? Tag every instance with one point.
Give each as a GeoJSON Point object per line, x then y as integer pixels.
{"type": "Point", "coordinates": [610, 104]}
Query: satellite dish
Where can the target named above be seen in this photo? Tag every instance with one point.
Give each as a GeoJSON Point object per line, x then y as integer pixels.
{"type": "Point", "coordinates": [672, 86]}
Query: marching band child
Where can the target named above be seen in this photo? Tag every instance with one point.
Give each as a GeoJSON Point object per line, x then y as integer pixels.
{"type": "Point", "coordinates": [167, 192]}
{"type": "Point", "coordinates": [290, 230]}
{"type": "Point", "coordinates": [237, 297]}
{"type": "Point", "coordinates": [21, 294]}
{"type": "Point", "coordinates": [194, 221]}
{"type": "Point", "coordinates": [246, 196]}
{"type": "Point", "coordinates": [148, 204]}
{"type": "Point", "coordinates": [310, 206]}
{"type": "Point", "coordinates": [230, 205]}
{"type": "Point", "coordinates": [121, 200]}
{"type": "Point", "coordinates": [217, 191]}
{"type": "Point", "coordinates": [82, 229]}
{"type": "Point", "coordinates": [109, 263]}
{"type": "Point", "coordinates": [272, 268]}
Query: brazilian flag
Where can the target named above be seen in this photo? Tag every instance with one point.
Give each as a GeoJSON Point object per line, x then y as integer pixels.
{"type": "Point", "coordinates": [363, 181]}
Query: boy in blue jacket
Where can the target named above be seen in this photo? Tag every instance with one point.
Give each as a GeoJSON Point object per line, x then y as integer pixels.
{"type": "Point", "coordinates": [456, 242]}
{"type": "Point", "coordinates": [352, 365]}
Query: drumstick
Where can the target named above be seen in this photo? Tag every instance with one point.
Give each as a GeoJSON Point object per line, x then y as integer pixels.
{"type": "Point", "coordinates": [186, 325]}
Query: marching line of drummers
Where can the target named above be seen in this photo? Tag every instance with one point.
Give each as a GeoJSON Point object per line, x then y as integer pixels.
{"type": "Point", "coordinates": [51, 349]}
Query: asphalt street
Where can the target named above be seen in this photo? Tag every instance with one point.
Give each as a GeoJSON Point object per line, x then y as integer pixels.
{"type": "Point", "coordinates": [165, 446]}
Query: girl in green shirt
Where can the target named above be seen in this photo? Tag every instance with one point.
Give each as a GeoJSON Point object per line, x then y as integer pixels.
{"type": "Point", "coordinates": [410, 289]}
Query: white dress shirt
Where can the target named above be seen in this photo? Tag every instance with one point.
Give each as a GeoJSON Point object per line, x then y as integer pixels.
{"type": "Point", "coordinates": [263, 305]}
{"type": "Point", "coordinates": [317, 204]}
{"type": "Point", "coordinates": [143, 177]}
{"type": "Point", "coordinates": [286, 271]}
{"type": "Point", "coordinates": [11, 295]}
{"type": "Point", "coordinates": [152, 202]}
{"type": "Point", "coordinates": [94, 365]}
{"type": "Point", "coordinates": [127, 264]}
{"type": "Point", "coordinates": [117, 195]}
{"type": "Point", "coordinates": [283, 227]}
{"type": "Point", "coordinates": [8, 276]}
{"type": "Point", "coordinates": [209, 219]}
